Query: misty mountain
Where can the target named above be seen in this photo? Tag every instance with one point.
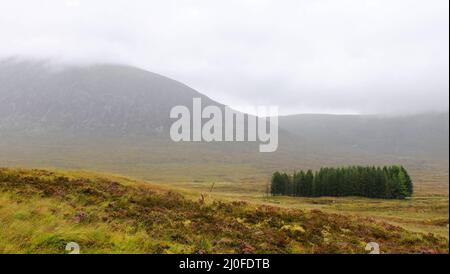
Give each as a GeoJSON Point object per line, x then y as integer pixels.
{"type": "Point", "coordinates": [116, 118]}
{"type": "Point", "coordinates": [38, 97]}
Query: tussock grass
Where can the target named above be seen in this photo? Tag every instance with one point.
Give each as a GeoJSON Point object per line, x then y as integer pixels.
{"type": "Point", "coordinates": [42, 210]}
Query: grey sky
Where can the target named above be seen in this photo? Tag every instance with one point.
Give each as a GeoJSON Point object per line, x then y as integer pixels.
{"type": "Point", "coordinates": [337, 56]}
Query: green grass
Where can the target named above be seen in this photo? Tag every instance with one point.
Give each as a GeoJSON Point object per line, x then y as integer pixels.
{"type": "Point", "coordinates": [43, 210]}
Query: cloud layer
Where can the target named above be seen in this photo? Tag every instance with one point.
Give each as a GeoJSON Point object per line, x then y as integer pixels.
{"type": "Point", "coordinates": [322, 56]}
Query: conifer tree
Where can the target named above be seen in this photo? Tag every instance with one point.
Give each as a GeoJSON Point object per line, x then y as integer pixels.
{"type": "Point", "coordinates": [277, 184]}
{"type": "Point", "coordinates": [308, 184]}
{"type": "Point", "coordinates": [408, 182]}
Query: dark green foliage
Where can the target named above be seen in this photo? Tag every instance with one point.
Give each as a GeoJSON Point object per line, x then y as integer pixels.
{"type": "Point", "coordinates": [281, 184]}
{"type": "Point", "coordinates": [391, 182]}
{"type": "Point", "coordinates": [408, 182]}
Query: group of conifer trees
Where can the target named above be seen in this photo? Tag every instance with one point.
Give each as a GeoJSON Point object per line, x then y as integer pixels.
{"type": "Point", "coordinates": [392, 182]}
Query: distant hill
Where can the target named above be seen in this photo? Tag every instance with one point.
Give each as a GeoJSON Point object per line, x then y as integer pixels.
{"type": "Point", "coordinates": [413, 135]}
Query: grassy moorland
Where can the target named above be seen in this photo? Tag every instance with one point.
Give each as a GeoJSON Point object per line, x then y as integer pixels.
{"type": "Point", "coordinates": [427, 211]}
{"type": "Point", "coordinates": [43, 210]}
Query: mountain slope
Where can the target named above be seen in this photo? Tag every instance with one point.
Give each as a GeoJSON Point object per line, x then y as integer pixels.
{"type": "Point", "coordinates": [36, 97]}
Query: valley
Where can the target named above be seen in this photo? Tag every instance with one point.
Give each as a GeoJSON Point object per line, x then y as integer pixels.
{"type": "Point", "coordinates": [86, 156]}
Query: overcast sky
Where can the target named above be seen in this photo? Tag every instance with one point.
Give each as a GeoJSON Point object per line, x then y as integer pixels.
{"type": "Point", "coordinates": [337, 56]}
